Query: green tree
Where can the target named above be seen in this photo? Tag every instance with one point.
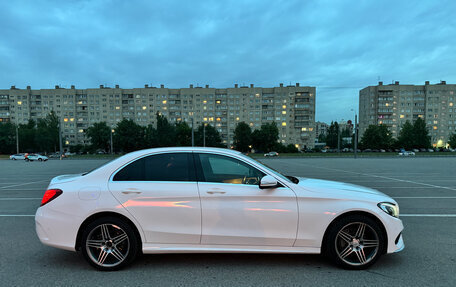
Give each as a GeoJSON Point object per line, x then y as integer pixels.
{"type": "Point", "coordinates": [242, 137]}
{"type": "Point", "coordinates": [47, 133]}
{"type": "Point", "coordinates": [213, 138]}
{"type": "Point", "coordinates": [165, 133]}
{"type": "Point", "coordinates": [322, 138]}
{"type": "Point", "coordinates": [27, 135]}
{"type": "Point", "coordinates": [265, 139]}
{"type": "Point", "coordinates": [406, 136]}
{"type": "Point", "coordinates": [452, 141]}
{"type": "Point", "coordinates": [183, 134]}
{"type": "Point", "coordinates": [281, 148]}
{"type": "Point", "coordinates": [332, 135]}
{"type": "Point", "coordinates": [377, 137]}
{"type": "Point", "coordinates": [345, 133]}
{"type": "Point", "coordinates": [7, 138]}
{"type": "Point", "coordinates": [100, 136]}
{"type": "Point", "coordinates": [128, 136]}
{"type": "Point", "coordinates": [421, 138]}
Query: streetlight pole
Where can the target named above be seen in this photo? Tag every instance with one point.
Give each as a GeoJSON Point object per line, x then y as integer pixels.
{"type": "Point", "coordinates": [112, 148]}
{"type": "Point", "coordinates": [204, 134]}
{"type": "Point", "coordinates": [60, 139]}
{"type": "Point", "coordinates": [17, 138]}
{"type": "Point", "coordinates": [193, 133]}
{"type": "Point", "coordinates": [338, 139]}
{"type": "Point", "coordinates": [356, 135]}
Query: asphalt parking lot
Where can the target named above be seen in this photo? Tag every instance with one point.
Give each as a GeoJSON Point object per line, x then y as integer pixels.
{"type": "Point", "coordinates": [424, 187]}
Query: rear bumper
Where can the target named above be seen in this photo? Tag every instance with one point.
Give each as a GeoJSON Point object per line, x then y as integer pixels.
{"type": "Point", "coordinates": [56, 229]}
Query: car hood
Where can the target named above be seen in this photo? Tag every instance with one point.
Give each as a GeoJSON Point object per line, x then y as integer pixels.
{"type": "Point", "coordinates": [339, 189]}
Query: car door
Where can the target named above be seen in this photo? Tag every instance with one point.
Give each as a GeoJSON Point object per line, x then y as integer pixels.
{"type": "Point", "coordinates": [161, 192]}
{"type": "Point", "coordinates": [235, 211]}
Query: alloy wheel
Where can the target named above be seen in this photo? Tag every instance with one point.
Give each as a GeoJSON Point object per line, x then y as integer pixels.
{"type": "Point", "coordinates": [357, 244]}
{"type": "Point", "coordinates": [107, 245]}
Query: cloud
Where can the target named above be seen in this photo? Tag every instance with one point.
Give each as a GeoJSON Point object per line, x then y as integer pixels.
{"type": "Point", "coordinates": [337, 46]}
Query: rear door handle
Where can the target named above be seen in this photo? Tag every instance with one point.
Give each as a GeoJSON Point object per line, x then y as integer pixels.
{"type": "Point", "coordinates": [131, 191]}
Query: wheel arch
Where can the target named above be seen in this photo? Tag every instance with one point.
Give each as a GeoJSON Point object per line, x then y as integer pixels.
{"type": "Point", "coordinates": [95, 216]}
{"type": "Point", "coordinates": [350, 213]}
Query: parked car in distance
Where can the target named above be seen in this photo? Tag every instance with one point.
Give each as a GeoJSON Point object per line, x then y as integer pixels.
{"type": "Point", "coordinates": [430, 150]}
{"type": "Point", "coordinates": [211, 200]}
{"type": "Point", "coordinates": [35, 156]}
{"type": "Point", "coordinates": [406, 153]}
{"type": "Point", "coordinates": [271, 154]}
{"type": "Point", "coordinates": [17, 156]}
{"type": "Point", "coordinates": [415, 150]}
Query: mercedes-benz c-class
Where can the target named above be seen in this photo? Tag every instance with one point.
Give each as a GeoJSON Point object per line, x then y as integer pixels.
{"type": "Point", "coordinates": [187, 200]}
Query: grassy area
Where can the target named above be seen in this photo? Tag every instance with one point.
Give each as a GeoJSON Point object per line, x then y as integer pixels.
{"type": "Point", "coordinates": [94, 156]}
{"type": "Point", "coordinates": [361, 154]}
{"type": "Point", "coordinates": [4, 156]}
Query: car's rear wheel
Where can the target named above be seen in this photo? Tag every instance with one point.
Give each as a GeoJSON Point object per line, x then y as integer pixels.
{"type": "Point", "coordinates": [109, 243]}
{"type": "Point", "coordinates": [40, 159]}
{"type": "Point", "coordinates": [355, 242]}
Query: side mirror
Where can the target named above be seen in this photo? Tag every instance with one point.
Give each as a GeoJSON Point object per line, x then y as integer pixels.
{"type": "Point", "coordinates": [268, 181]}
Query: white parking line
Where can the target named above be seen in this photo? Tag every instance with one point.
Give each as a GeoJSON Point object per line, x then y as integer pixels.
{"type": "Point", "coordinates": [386, 177]}
{"type": "Point", "coordinates": [20, 184]}
{"type": "Point", "coordinates": [16, 215]}
{"type": "Point", "coordinates": [20, 198]}
{"type": "Point", "coordinates": [26, 189]}
{"type": "Point", "coordinates": [398, 187]}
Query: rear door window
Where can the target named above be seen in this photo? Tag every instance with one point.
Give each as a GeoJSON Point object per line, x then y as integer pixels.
{"type": "Point", "coordinates": [160, 167]}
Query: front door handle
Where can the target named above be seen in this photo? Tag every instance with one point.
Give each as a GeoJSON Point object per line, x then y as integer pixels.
{"type": "Point", "coordinates": [215, 191]}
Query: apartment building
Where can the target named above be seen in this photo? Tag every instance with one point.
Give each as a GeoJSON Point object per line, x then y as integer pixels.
{"type": "Point", "coordinates": [394, 104]}
{"type": "Point", "coordinates": [292, 108]}
{"type": "Point", "coordinates": [321, 128]}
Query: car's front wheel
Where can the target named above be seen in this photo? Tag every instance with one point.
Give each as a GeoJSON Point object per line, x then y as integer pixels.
{"type": "Point", "coordinates": [109, 243]}
{"type": "Point", "coordinates": [40, 159]}
{"type": "Point", "coordinates": [355, 242]}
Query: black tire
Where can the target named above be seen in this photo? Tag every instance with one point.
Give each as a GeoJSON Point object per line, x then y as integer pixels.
{"type": "Point", "coordinates": [40, 159]}
{"type": "Point", "coordinates": [349, 253]}
{"type": "Point", "coordinates": [128, 248]}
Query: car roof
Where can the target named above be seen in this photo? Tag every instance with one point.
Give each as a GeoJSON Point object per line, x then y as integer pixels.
{"type": "Point", "coordinates": [188, 148]}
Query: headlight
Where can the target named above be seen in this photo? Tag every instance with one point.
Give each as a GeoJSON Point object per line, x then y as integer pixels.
{"type": "Point", "coordinates": [390, 208]}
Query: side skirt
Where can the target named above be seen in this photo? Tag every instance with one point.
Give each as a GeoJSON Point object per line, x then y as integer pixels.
{"type": "Point", "coordinates": [153, 248]}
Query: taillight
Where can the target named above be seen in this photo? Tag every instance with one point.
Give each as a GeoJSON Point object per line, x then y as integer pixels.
{"type": "Point", "coordinates": [50, 195]}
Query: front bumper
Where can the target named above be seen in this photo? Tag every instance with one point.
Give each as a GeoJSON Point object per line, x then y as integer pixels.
{"type": "Point", "coordinates": [394, 229]}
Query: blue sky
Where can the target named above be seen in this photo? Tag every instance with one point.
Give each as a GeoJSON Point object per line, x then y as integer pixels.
{"type": "Point", "coordinates": [337, 46]}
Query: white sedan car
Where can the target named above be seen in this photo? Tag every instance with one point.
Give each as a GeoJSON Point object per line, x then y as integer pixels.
{"type": "Point", "coordinates": [406, 153]}
{"type": "Point", "coordinates": [35, 156]}
{"type": "Point", "coordinates": [18, 156]}
{"type": "Point", "coordinates": [187, 200]}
